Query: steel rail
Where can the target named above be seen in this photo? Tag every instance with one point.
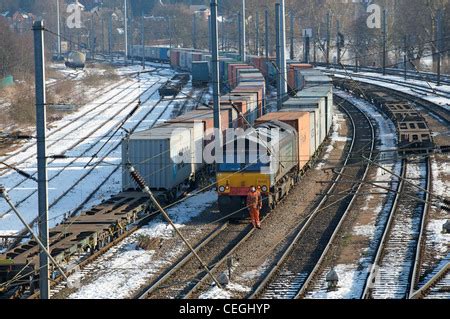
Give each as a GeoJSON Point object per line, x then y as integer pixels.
{"type": "Point", "coordinates": [262, 285]}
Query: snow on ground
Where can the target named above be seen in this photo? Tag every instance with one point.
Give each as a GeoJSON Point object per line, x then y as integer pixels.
{"type": "Point", "coordinates": [436, 237]}
{"type": "Point", "coordinates": [225, 293]}
{"type": "Point", "coordinates": [125, 268]}
{"type": "Point", "coordinates": [349, 277]}
{"type": "Point", "coordinates": [352, 276]}
{"type": "Point", "coordinates": [95, 127]}
{"type": "Point", "coordinates": [441, 186]}
{"type": "Point", "coordinates": [442, 101]}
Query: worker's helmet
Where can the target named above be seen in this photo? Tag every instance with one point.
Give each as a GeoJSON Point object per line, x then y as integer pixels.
{"type": "Point", "coordinates": [253, 189]}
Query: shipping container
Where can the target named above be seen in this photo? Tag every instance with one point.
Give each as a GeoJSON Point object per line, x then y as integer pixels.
{"type": "Point", "coordinates": [292, 68]}
{"type": "Point", "coordinates": [184, 60]}
{"type": "Point", "coordinates": [249, 77]}
{"type": "Point", "coordinates": [161, 155]}
{"type": "Point", "coordinates": [196, 131]}
{"type": "Point", "coordinates": [317, 92]}
{"type": "Point", "coordinates": [301, 122]}
{"type": "Point", "coordinates": [174, 58]}
{"type": "Point", "coordinates": [196, 57]}
{"type": "Point", "coordinates": [316, 103]}
{"type": "Point", "coordinates": [253, 89]}
{"type": "Point", "coordinates": [252, 104]}
{"type": "Point", "coordinates": [232, 76]}
{"type": "Point", "coordinates": [204, 116]}
{"type": "Point", "coordinates": [200, 73]}
{"type": "Point", "coordinates": [317, 80]}
{"type": "Point", "coordinates": [232, 114]}
{"type": "Point", "coordinates": [306, 72]}
{"type": "Point", "coordinates": [309, 105]}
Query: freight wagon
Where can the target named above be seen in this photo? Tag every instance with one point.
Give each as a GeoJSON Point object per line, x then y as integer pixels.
{"type": "Point", "coordinates": [150, 53]}
{"type": "Point", "coordinates": [414, 134]}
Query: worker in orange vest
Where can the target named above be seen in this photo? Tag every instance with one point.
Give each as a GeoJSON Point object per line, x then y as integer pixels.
{"type": "Point", "coordinates": [254, 204]}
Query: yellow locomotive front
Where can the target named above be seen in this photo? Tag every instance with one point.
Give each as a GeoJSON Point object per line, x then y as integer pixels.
{"type": "Point", "coordinates": [265, 166]}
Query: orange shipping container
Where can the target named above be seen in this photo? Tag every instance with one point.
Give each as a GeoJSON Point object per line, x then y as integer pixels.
{"type": "Point", "coordinates": [301, 122]}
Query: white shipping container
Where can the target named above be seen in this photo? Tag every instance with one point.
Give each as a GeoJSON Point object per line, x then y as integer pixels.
{"type": "Point", "coordinates": [162, 155]}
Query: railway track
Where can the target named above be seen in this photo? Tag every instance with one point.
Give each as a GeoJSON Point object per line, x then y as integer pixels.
{"type": "Point", "coordinates": [101, 107]}
{"type": "Point", "coordinates": [152, 123]}
{"type": "Point", "coordinates": [438, 287]}
{"type": "Point", "coordinates": [397, 261]}
{"type": "Point", "coordinates": [162, 106]}
{"type": "Point", "coordinates": [416, 75]}
{"type": "Point", "coordinates": [75, 160]}
{"type": "Point", "coordinates": [187, 272]}
{"type": "Point", "coordinates": [302, 258]}
{"type": "Point", "coordinates": [442, 113]}
{"type": "Point", "coordinates": [413, 86]}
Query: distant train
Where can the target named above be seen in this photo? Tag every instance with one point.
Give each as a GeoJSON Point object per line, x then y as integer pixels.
{"type": "Point", "coordinates": [76, 60]}
{"type": "Point", "coordinates": [151, 53]}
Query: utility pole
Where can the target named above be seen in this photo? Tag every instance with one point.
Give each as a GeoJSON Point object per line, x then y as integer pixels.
{"type": "Point", "coordinates": [126, 30]}
{"type": "Point", "coordinates": [338, 42]}
{"type": "Point", "coordinates": [282, 27]}
{"type": "Point", "coordinates": [59, 29]}
{"type": "Point", "coordinates": [103, 35]}
{"type": "Point", "coordinates": [357, 55]}
{"type": "Point", "coordinates": [278, 47]}
{"type": "Point", "coordinates": [239, 22]}
{"type": "Point", "coordinates": [222, 33]}
{"type": "Point", "coordinates": [194, 31]}
{"type": "Point", "coordinates": [405, 56]}
{"type": "Point", "coordinates": [291, 15]}
{"type": "Point", "coordinates": [307, 48]}
{"type": "Point", "coordinates": [315, 50]}
{"type": "Point", "coordinates": [439, 44]}
{"type": "Point", "coordinates": [242, 31]}
{"type": "Point", "coordinates": [143, 39]}
{"type": "Point", "coordinates": [39, 62]}
{"type": "Point", "coordinates": [266, 31]}
{"type": "Point", "coordinates": [215, 76]}
{"type": "Point", "coordinates": [209, 35]}
{"type": "Point", "coordinates": [328, 39]}
{"type": "Point", "coordinates": [110, 35]}
{"type": "Point", "coordinates": [169, 26]}
{"type": "Point", "coordinates": [257, 33]}
{"type": "Point", "coordinates": [384, 40]}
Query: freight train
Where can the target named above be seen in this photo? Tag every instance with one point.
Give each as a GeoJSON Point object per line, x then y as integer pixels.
{"type": "Point", "coordinates": [92, 230]}
{"type": "Point", "coordinates": [164, 156]}
{"type": "Point", "coordinates": [151, 53]}
{"type": "Point", "coordinates": [414, 135]}
{"type": "Point", "coordinates": [293, 138]}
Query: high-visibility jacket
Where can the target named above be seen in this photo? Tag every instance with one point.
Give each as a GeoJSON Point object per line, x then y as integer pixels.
{"type": "Point", "coordinates": [254, 200]}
